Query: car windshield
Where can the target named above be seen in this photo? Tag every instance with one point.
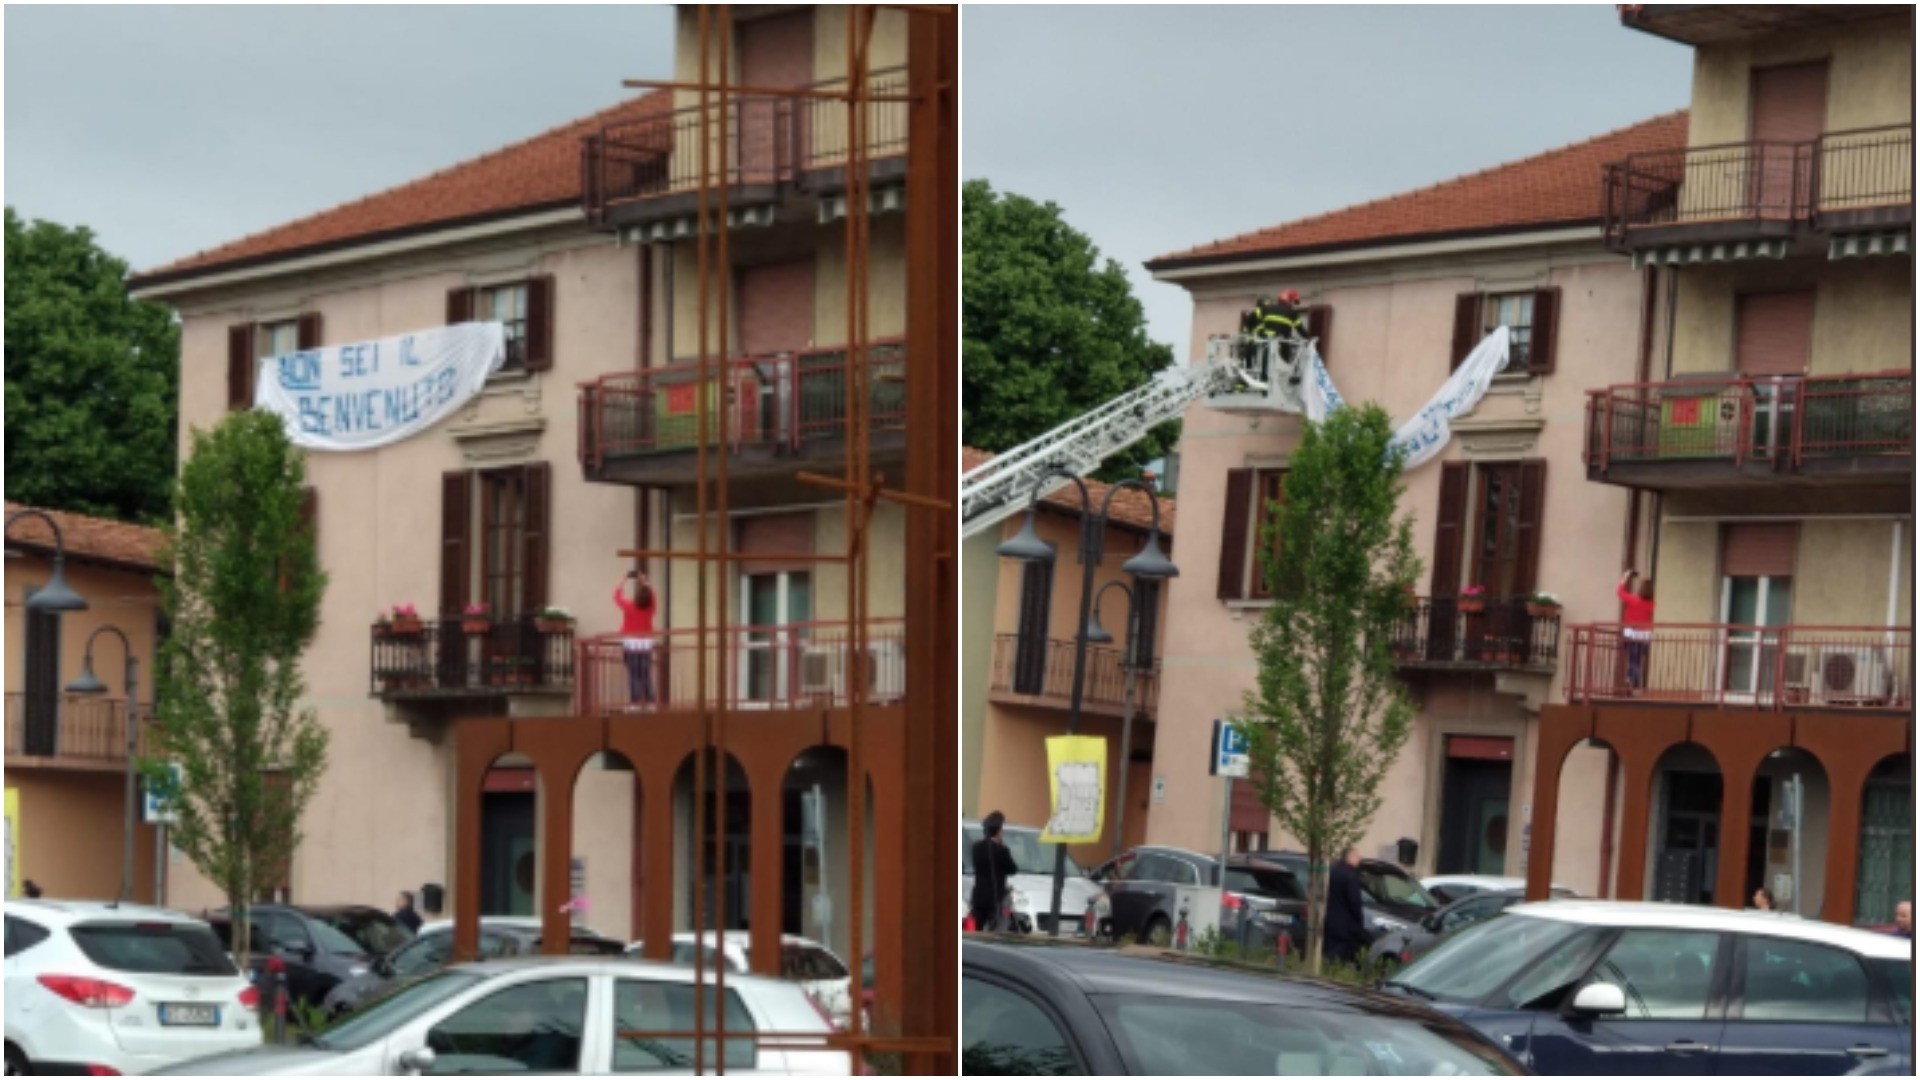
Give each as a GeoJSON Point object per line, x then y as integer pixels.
{"type": "Point", "coordinates": [1262, 881]}
{"type": "Point", "coordinates": [1034, 857]}
{"type": "Point", "coordinates": [1467, 966]}
{"type": "Point", "coordinates": [379, 1019]}
{"type": "Point", "coordinates": [1387, 887]}
{"type": "Point", "coordinates": [156, 948]}
{"type": "Point", "coordinates": [1185, 1037]}
{"type": "Point", "coordinates": [335, 941]}
{"type": "Point", "coordinates": [375, 934]}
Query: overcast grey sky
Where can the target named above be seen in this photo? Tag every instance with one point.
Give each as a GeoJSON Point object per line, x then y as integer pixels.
{"type": "Point", "coordinates": [1159, 128]}
{"type": "Point", "coordinates": [169, 130]}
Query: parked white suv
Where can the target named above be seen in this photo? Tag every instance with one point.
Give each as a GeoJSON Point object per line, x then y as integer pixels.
{"type": "Point", "coordinates": [93, 986]}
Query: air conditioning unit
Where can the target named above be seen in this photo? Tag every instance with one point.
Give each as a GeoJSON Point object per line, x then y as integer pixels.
{"type": "Point", "coordinates": [822, 669]}
{"type": "Point", "coordinates": [1850, 674]}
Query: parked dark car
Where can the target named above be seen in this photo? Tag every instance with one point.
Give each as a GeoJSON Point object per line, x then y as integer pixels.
{"type": "Point", "coordinates": [1405, 946]}
{"type": "Point", "coordinates": [318, 955]}
{"type": "Point", "coordinates": [1394, 899]}
{"type": "Point", "coordinates": [1584, 987]}
{"type": "Point", "coordinates": [434, 948]}
{"type": "Point", "coordinates": [1144, 888]}
{"type": "Point", "coordinates": [1030, 1007]}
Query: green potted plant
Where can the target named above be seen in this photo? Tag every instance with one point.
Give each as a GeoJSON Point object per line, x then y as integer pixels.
{"type": "Point", "coordinates": [1543, 604]}
{"type": "Point", "coordinates": [553, 620]}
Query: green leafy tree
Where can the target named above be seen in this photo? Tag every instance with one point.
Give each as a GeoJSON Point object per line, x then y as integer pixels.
{"type": "Point", "coordinates": [91, 379]}
{"type": "Point", "coordinates": [244, 603]}
{"type": "Point", "coordinates": [1330, 714]}
{"type": "Point", "coordinates": [1049, 330]}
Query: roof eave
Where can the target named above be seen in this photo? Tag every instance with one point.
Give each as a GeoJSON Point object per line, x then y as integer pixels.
{"type": "Point", "coordinates": [1166, 267]}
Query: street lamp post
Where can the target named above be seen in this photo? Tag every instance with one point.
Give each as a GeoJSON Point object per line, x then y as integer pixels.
{"type": "Point", "coordinates": [1148, 564]}
{"type": "Point", "coordinates": [89, 683]}
{"type": "Point", "coordinates": [56, 595]}
{"type": "Point", "coordinates": [1130, 661]}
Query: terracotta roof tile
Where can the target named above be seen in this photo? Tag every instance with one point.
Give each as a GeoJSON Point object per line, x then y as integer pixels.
{"type": "Point", "coordinates": [1130, 507]}
{"type": "Point", "coordinates": [89, 538]}
{"type": "Point", "coordinates": [1559, 187]}
{"type": "Point", "coordinates": [541, 171]}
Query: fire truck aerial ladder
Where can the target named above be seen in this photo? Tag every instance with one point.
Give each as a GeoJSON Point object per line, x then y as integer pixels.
{"type": "Point", "coordinates": [997, 489]}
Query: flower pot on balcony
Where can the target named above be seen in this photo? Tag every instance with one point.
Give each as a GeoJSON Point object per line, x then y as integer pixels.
{"type": "Point", "coordinates": [1472, 605]}
{"type": "Point", "coordinates": [553, 626]}
{"type": "Point", "coordinates": [406, 628]}
{"type": "Point", "coordinates": [475, 627]}
{"type": "Point", "coordinates": [1542, 611]}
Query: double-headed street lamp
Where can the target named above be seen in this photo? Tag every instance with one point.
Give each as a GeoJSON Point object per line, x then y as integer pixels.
{"type": "Point", "coordinates": [1149, 564]}
{"type": "Point", "coordinates": [89, 683]}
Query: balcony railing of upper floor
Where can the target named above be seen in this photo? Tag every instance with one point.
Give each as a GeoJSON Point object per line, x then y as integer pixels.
{"type": "Point", "coordinates": [644, 426]}
{"type": "Point", "coordinates": [71, 730]}
{"type": "Point", "coordinates": [772, 144]}
{"type": "Point", "coordinates": [1714, 429]}
{"type": "Point", "coordinates": [1737, 666]}
{"type": "Point", "coordinates": [1040, 672]}
{"type": "Point", "coordinates": [786, 666]}
{"type": "Point", "coordinates": [1445, 633]}
{"type": "Point", "coordinates": [454, 657]}
{"type": "Point", "coordinates": [1751, 190]}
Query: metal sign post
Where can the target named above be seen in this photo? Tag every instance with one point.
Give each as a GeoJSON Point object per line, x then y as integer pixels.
{"type": "Point", "coordinates": [1229, 762]}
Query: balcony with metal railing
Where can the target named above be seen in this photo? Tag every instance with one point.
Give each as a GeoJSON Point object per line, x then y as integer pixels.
{"type": "Point", "coordinates": [1764, 193]}
{"type": "Point", "coordinates": [70, 731]}
{"type": "Point", "coordinates": [454, 658]}
{"type": "Point", "coordinates": [1040, 673]}
{"type": "Point", "coordinates": [1746, 667]}
{"type": "Point", "coordinates": [1709, 431]}
{"type": "Point", "coordinates": [645, 171]}
{"type": "Point", "coordinates": [1449, 633]}
{"type": "Point", "coordinates": [643, 427]}
{"type": "Point", "coordinates": [787, 666]}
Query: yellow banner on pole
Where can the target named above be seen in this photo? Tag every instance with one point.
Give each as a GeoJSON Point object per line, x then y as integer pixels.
{"type": "Point", "coordinates": [13, 842]}
{"type": "Point", "coordinates": [1077, 780]}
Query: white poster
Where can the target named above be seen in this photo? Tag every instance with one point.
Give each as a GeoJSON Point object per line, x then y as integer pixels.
{"type": "Point", "coordinates": [375, 393]}
{"type": "Point", "coordinates": [1427, 433]}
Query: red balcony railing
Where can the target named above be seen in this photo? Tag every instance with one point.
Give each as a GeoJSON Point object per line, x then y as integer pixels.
{"type": "Point", "coordinates": [72, 728]}
{"type": "Point", "coordinates": [1044, 670]}
{"type": "Point", "coordinates": [1782, 423]}
{"type": "Point", "coordinates": [791, 666]}
{"type": "Point", "coordinates": [1761, 667]}
{"type": "Point", "coordinates": [1439, 632]}
{"type": "Point", "coordinates": [769, 142]}
{"type": "Point", "coordinates": [1769, 187]}
{"type": "Point", "coordinates": [453, 657]}
{"type": "Point", "coordinates": [778, 403]}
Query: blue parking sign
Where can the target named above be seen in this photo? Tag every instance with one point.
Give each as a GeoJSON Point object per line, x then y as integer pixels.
{"type": "Point", "coordinates": [1229, 750]}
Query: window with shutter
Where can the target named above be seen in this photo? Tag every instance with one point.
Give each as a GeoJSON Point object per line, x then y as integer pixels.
{"type": "Point", "coordinates": [308, 335]}
{"type": "Point", "coordinates": [1449, 523]}
{"type": "Point", "coordinates": [1272, 486]}
{"type": "Point", "coordinates": [455, 543]}
{"type": "Point", "coordinates": [1320, 327]}
{"type": "Point", "coordinates": [42, 720]}
{"type": "Point", "coordinates": [539, 329]}
{"type": "Point", "coordinates": [241, 364]}
{"type": "Point", "coordinates": [535, 533]}
{"type": "Point", "coordinates": [459, 306]}
{"type": "Point", "coordinates": [1546, 327]}
{"type": "Point", "coordinates": [1233, 534]}
{"type": "Point", "coordinates": [1030, 647]}
{"type": "Point", "coordinates": [1466, 326]}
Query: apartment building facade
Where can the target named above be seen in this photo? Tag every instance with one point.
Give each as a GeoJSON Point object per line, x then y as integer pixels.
{"type": "Point", "coordinates": [66, 753]}
{"type": "Point", "coordinates": [581, 242]}
{"type": "Point", "coordinates": [1021, 662]}
{"type": "Point", "coordinates": [1770, 444]}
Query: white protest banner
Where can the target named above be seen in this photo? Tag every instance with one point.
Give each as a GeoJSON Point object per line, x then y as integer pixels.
{"type": "Point", "coordinates": [375, 393]}
{"type": "Point", "coordinates": [1427, 433]}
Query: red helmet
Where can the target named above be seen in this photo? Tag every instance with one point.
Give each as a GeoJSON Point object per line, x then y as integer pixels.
{"type": "Point", "coordinates": [1290, 296]}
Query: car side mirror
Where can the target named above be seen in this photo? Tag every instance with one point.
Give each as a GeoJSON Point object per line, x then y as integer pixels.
{"type": "Point", "coordinates": [1599, 999]}
{"type": "Point", "coordinates": [1431, 923]}
{"type": "Point", "coordinates": [417, 1061]}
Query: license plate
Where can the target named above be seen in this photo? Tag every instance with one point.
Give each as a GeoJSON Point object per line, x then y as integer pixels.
{"type": "Point", "coordinates": [1278, 918]}
{"type": "Point", "coordinates": [189, 1015]}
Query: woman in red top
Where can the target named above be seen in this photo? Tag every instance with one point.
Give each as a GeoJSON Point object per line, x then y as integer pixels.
{"type": "Point", "coordinates": [1636, 615]}
{"type": "Point", "coordinates": [636, 635]}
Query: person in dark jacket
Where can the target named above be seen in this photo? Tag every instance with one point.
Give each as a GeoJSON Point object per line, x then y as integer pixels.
{"type": "Point", "coordinates": [993, 870]}
{"type": "Point", "coordinates": [1346, 929]}
{"type": "Point", "coordinates": [404, 914]}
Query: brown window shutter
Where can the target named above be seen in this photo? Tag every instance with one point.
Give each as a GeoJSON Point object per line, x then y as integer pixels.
{"type": "Point", "coordinates": [1233, 535]}
{"type": "Point", "coordinates": [1533, 494]}
{"type": "Point", "coordinates": [1320, 326]}
{"type": "Point", "coordinates": [1759, 549]}
{"type": "Point", "coordinates": [240, 366]}
{"type": "Point", "coordinates": [309, 331]}
{"type": "Point", "coordinates": [540, 324]}
{"type": "Point", "coordinates": [535, 536]}
{"type": "Point", "coordinates": [309, 523]}
{"type": "Point", "coordinates": [1466, 326]}
{"type": "Point", "coordinates": [1773, 333]}
{"type": "Point", "coordinates": [1448, 528]}
{"type": "Point", "coordinates": [1030, 647]}
{"type": "Point", "coordinates": [1546, 322]}
{"type": "Point", "coordinates": [1272, 487]}
{"type": "Point", "coordinates": [456, 507]}
{"type": "Point", "coordinates": [459, 306]}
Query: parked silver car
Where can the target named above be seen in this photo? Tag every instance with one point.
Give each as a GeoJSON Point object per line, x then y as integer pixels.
{"type": "Point", "coordinates": [1033, 885]}
{"type": "Point", "coordinates": [548, 1015]}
